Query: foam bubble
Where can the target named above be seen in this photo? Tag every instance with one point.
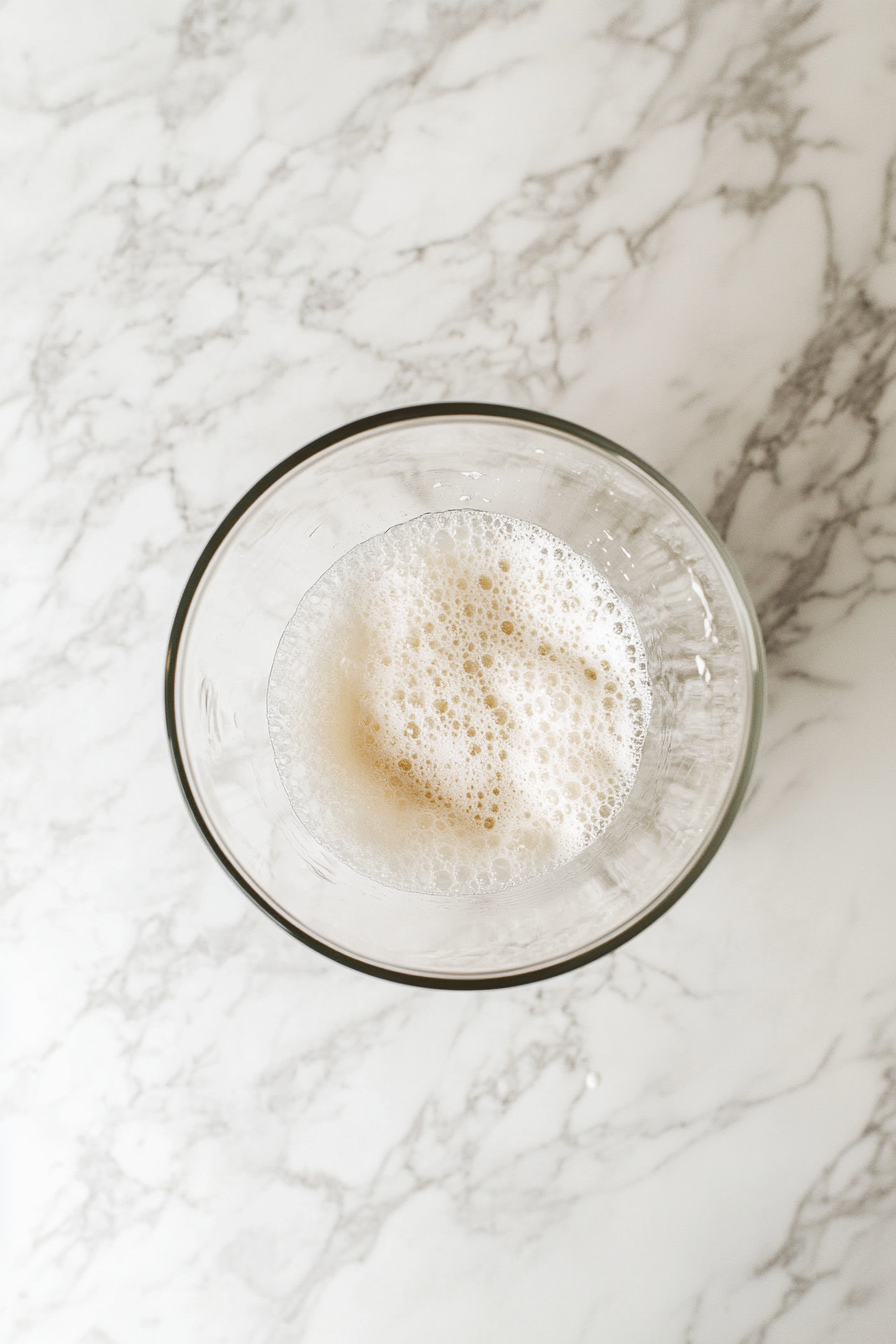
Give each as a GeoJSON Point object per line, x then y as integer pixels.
{"type": "Point", "coordinates": [459, 704]}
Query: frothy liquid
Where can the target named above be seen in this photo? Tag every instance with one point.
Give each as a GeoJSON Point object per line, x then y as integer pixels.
{"type": "Point", "coordinates": [459, 704]}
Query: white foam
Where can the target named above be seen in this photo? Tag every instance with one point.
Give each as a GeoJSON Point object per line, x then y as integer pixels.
{"type": "Point", "coordinates": [459, 704]}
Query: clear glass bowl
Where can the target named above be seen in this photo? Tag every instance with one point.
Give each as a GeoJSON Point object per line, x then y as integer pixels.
{"type": "Point", "coordinates": [699, 629]}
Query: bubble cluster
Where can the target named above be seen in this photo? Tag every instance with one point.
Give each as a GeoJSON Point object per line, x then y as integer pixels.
{"type": "Point", "coordinates": [459, 704]}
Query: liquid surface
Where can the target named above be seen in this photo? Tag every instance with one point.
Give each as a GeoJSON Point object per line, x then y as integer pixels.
{"type": "Point", "coordinates": [459, 704]}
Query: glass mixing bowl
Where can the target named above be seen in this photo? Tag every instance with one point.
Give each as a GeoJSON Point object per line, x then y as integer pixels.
{"type": "Point", "coordinates": [705, 663]}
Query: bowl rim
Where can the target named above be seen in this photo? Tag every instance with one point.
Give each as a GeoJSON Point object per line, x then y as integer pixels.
{"type": "Point", "coordinates": [436, 410]}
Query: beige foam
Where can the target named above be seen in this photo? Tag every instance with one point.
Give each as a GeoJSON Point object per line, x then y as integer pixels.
{"type": "Point", "coordinates": [459, 704]}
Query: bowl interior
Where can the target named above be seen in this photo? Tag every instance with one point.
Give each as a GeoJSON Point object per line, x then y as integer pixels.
{"type": "Point", "coordinates": [704, 661]}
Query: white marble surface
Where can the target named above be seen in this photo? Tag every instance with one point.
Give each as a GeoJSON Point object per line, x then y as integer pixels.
{"type": "Point", "coordinates": [227, 226]}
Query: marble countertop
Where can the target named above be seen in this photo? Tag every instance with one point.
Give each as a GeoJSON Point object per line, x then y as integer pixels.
{"type": "Point", "coordinates": [228, 226]}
